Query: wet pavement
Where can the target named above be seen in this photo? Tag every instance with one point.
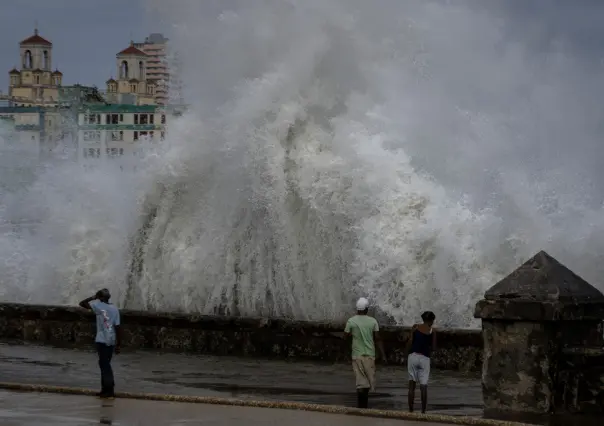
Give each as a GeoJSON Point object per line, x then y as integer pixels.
{"type": "Point", "coordinates": [243, 378]}
{"type": "Point", "coordinates": [32, 409]}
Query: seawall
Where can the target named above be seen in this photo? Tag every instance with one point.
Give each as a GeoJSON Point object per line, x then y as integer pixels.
{"type": "Point", "coordinates": [216, 335]}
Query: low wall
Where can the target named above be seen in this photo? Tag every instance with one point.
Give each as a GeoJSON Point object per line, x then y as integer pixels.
{"type": "Point", "coordinates": [215, 335]}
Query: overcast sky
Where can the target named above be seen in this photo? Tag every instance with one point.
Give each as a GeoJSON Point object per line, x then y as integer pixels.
{"type": "Point", "coordinates": [87, 34]}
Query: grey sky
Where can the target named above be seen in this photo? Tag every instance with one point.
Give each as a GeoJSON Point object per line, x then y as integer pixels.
{"type": "Point", "coordinates": [87, 34]}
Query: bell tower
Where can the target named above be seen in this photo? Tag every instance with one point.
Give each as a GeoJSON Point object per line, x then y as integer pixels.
{"type": "Point", "coordinates": [33, 82]}
{"type": "Point", "coordinates": [36, 53]}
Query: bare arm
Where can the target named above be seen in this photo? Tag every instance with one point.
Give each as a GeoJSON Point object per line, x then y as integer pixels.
{"type": "Point", "coordinates": [410, 341]}
{"type": "Point", "coordinates": [347, 331]}
{"type": "Point", "coordinates": [377, 340]}
{"type": "Point", "coordinates": [118, 338]}
{"type": "Point", "coordinates": [118, 331]}
{"type": "Point", "coordinates": [86, 302]}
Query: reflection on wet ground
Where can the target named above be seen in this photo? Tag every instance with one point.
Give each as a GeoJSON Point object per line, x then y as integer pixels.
{"type": "Point", "coordinates": [32, 409]}
{"type": "Point", "coordinates": [200, 375]}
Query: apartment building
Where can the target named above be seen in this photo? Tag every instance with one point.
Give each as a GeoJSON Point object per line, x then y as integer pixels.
{"type": "Point", "coordinates": [161, 68]}
{"type": "Point", "coordinates": [114, 131]}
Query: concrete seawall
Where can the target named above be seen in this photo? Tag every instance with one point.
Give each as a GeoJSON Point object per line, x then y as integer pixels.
{"type": "Point", "coordinates": [216, 335]}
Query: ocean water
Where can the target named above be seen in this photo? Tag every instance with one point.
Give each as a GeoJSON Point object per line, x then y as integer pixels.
{"type": "Point", "coordinates": [413, 153]}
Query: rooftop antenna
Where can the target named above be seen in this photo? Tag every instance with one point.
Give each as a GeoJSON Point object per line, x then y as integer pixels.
{"type": "Point", "coordinates": [36, 27]}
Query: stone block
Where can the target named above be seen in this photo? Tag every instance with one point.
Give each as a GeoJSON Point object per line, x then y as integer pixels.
{"type": "Point", "coordinates": [530, 321]}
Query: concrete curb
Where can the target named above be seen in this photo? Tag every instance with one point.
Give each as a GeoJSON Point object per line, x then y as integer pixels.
{"type": "Point", "coordinates": [388, 414]}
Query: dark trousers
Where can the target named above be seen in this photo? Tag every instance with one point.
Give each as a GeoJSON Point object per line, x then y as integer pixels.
{"type": "Point", "coordinates": [105, 354]}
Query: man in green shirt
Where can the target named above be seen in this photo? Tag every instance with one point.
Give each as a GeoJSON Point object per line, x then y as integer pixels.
{"type": "Point", "coordinates": [364, 332]}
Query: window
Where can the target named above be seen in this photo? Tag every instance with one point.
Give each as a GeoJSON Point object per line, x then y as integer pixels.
{"type": "Point", "coordinates": [117, 136]}
{"type": "Point", "coordinates": [114, 152]}
{"type": "Point", "coordinates": [133, 88]}
{"type": "Point", "coordinates": [92, 119]}
{"type": "Point", "coordinates": [37, 78]}
{"type": "Point", "coordinates": [143, 119]}
{"type": "Point", "coordinates": [135, 118]}
{"type": "Point", "coordinates": [121, 118]}
{"type": "Point", "coordinates": [124, 70]}
{"type": "Point", "coordinates": [91, 152]}
{"type": "Point", "coordinates": [92, 136]}
{"type": "Point", "coordinates": [163, 119]}
{"type": "Point", "coordinates": [142, 135]}
{"type": "Point", "coordinates": [135, 136]}
{"type": "Point", "coordinates": [141, 70]}
{"type": "Point", "coordinates": [113, 118]}
{"type": "Point", "coordinates": [151, 118]}
{"type": "Point", "coordinates": [46, 59]}
{"type": "Point", "coordinates": [27, 59]}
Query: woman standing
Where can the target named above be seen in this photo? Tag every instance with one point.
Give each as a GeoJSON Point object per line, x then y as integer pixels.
{"type": "Point", "coordinates": [420, 347]}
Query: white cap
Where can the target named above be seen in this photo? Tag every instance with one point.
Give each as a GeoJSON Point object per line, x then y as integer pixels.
{"type": "Point", "coordinates": [362, 304]}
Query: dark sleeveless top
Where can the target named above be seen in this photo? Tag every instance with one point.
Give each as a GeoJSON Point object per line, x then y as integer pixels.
{"type": "Point", "coordinates": [422, 343]}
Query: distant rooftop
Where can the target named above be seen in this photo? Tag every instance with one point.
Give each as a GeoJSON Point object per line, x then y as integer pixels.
{"type": "Point", "coordinates": [36, 39]}
{"type": "Point", "coordinates": [131, 51]}
{"type": "Point", "coordinates": [156, 38]}
{"type": "Point", "coordinates": [77, 94]}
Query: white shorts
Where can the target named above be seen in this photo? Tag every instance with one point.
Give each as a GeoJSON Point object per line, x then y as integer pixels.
{"type": "Point", "coordinates": [418, 366]}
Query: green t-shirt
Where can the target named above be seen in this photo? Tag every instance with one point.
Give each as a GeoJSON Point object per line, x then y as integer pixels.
{"type": "Point", "coordinates": [361, 327]}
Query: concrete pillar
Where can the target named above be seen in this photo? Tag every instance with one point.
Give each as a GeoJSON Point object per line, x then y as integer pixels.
{"type": "Point", "coordinates": [530, 320]}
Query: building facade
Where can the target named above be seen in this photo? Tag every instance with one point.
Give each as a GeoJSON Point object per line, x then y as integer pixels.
{"type": "Point", "coordinates": [162, 67]}
{"type": "Point", "coordinates": [39, 113]}
{"type": "Point", "coordinates": [156, 64]}
{"type": "Point", "coordinates": [32, 129]}
{"type": "Point", "coordinates": [131, 85]}
{"type": "Point", "coordinates": [34, 83]}
{"type": "Point", "coordinates": [115, 131]}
